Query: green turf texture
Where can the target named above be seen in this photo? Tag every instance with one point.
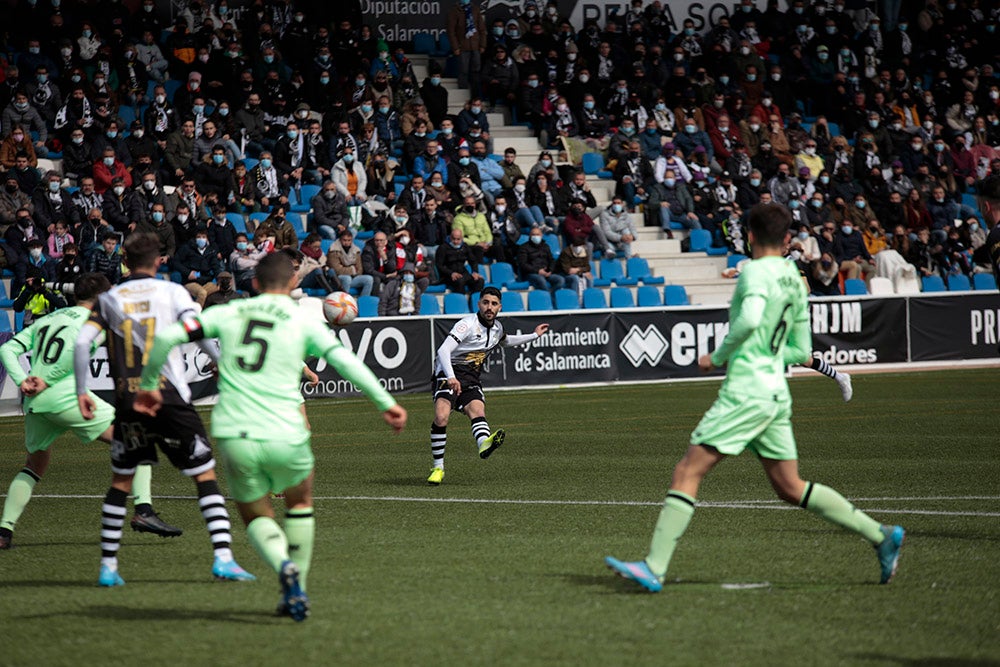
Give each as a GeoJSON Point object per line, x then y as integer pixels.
{"type": "Point", "coordinates": [430, 583]}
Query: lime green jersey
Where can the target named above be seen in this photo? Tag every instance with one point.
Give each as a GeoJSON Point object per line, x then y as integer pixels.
{"type": "Point", "coordinates": [768, 328]}
{"type": "Point", "coordinates": [263, 343]}
{"type": "Point", "coordinates": [50, 340]}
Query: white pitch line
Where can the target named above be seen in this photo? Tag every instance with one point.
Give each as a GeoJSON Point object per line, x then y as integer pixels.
{"type": "Point", "coordinates": [735, 504]}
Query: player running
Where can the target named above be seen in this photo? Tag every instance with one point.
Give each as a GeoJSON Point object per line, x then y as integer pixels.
{"type": "Point", "coordinates": [769, 329]}
{"type": "Point", "coordinates": [457, 367]}
{"type": "Point", "coordinates": [259, 426]}
{"type": "Point", "coordinates": [50, 407]}
{"type": "Point", "coordinates": [131, 313]}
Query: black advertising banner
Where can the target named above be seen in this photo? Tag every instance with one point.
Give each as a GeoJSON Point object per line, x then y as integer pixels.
{"type": "Point", "coordinates": [657, 345]}
{"type": "Point", "coordinates": [952, 328]}
{"type": "Point", "coordinates": [858, 331]}
{"type": "Point", "coordinates": [398, 351]}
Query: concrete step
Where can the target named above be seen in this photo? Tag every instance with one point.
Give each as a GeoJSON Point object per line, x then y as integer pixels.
{"type": "Point", "coordinates": [658, 249]}
{"type": "Point", "coordinates": [681, 272]}
{"type": "Point", "coordinates": [719, 294]}
{"type": "Point", "coordinates": [509, 132]}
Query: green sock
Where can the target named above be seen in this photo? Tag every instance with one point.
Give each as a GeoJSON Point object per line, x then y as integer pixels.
{"type": "Point", "coordinates": [300, 527]}
{"type": "Point", "coordinates": [833, 507]}
{"type": "Point", "coordinates": [142, 485]}
{"type": "Point", "coordinates": [269, 541]}
{"type": "Point", "coordinates": [18, 496]}
{"type": "Point", "coordinates": [674, 519]}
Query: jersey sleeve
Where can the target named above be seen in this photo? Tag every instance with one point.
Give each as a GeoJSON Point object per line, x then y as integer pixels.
{"type": "Point", "coordinates": [799, 345]}
{"type": "Point", "coordinates": [23, 341]}
{"type": "Point", "coordinates": [322, 342]}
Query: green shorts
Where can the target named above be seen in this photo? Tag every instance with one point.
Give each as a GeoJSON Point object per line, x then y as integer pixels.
{"type": "Point", "coordinates": [733, 424]}
{"type": "Point", "coordinates": [256, 467]}
{"type": "Point", "coordinates": [42, 428]}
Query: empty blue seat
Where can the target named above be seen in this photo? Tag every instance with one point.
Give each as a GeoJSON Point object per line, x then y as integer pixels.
{"type": "Point", "coordinates": [611, 269]}
{"type": "Point", "coordinates": [511, 302]}
{"type": "Point", "coordinates": [423, 43]}
{"type": "Point", "coordinates": [638, 268]}
{"type": "Point", "coordinates": [675, 295]}
{"type": "Point", "coordinates": [296, 221]}
{"type": "Point", "coordinates": [855, 287]}
{"type": "Point", "coordinates": [456, 304]}
{"type": "Point", "coordinates": [959, 283]}
{"type": "Point", "coordinates": [933, 284]}
{"type": "Point", "coordinates": [594, 298]}
{"type": "Point", "coordinates": [436, 289]}
{"type": "Point", "coordinates": [367, 306]}
{"type": "Point", "coordinates": [648, 296]}
{"type": "Point", "coordinates": [598, 280]}
{"type": "Point", "coordinates": [429, 305]}
{"type": "Point", "coordinates": [734, 259]}
{"type": "Point", "coordinates": [701, 240]}
{"type": "Point", "coordinates": [539, 299]}
{"type": "Point", "coordinates": [325, 244]}
{"type": "Point", "coordinates": [300, 200]}
{"type": "Point", "coordinates": [503, 274]}
{"type": "Point", "coordinates": [237, 221]}
{"type": "Point", "coordinates": [554, 245]}
{"type": "Point", "coordinates": [984, 281]}
{"type": "Point", "coordinates": [566, 299]}
{"type": "Point", "coordinates": [621, 297]}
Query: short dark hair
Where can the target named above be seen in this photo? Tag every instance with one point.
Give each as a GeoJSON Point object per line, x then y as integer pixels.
{"type": "Point", "coordinates": [488, 291]}
{"type": "Point", "coordinates": [89, 285]}
{"type": "Point", "coordinates": [989, 188]}
{"type": "Point", "coordinates": [141, 250]}
{"type": "Point", "coordinates": [274, 271]}
{"type": "Point", "coordinates": [769, 224]}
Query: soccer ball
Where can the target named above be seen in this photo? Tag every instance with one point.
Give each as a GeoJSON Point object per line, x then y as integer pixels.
{"type": "Point", "coordinates": [340, 308]}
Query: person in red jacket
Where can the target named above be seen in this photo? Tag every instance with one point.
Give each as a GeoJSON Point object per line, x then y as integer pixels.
{"type": "Point", "coordinates": [107, 169]}
{"type": "Point", "coordinates": [580, 226]}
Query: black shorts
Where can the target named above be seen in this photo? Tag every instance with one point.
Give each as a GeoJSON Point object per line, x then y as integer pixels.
{"type": "Point", "coordinates": [470, 392]}
{"type": "Point", "coordinates": [177, 431]}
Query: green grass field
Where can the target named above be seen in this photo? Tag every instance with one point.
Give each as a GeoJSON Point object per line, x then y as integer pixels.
{"type": "Point", "coordinates": [509, 570]}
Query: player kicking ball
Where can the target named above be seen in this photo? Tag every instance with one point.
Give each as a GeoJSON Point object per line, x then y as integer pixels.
{"type": "Point", "coordinates": [769, 329]}
{"type": "Point", "coordinates": [258, 423]}
{"type": "Point", "coordinates": [50, 407]}
{"type": "Point", "coordinates": [457, 367]}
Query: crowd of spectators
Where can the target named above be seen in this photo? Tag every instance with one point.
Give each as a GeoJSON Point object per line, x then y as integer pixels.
{"type": "Point", "coordinates": [870, 125]}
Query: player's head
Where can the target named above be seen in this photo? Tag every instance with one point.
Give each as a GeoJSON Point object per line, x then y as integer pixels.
{"type": "Point", "coordinates": [769, 226]}
{"type": "Point", "coordinates": [988, 194]}
{"type": "Point", "coordinates": [142, 253]}
{"type": "Point", "coordinates": [87, 287]}
{"type": "Point", "coordinates": [275, 273]}
{"type": "Point", "coordinates": [489, 303]}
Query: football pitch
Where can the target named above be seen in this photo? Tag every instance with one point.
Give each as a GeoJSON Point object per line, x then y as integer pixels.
{"type": "Point", "coordinates": [503, 563]}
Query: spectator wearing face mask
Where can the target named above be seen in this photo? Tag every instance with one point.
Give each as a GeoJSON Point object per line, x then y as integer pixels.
{"type": "Point", "coordinates": [452, 261]}
{"type": "Point", "coordinates": [618, 229]}
{"type": "Point", "coordinates": [53, 203]}
{"type": "Point", "coordinates": [121, 207]}
{"type": "Point", "coordinates": [401, 296]}
{"type": "Point", "coordinates": [344, 265]}
{"type": "Point", "coordinates": [330, 216]}
{"type": "Point", "coordinates": [198, 264]}
{"type": "Point", "coordinates": [475, 228]}
{"type": "Point", "coordinates": [19, 113]}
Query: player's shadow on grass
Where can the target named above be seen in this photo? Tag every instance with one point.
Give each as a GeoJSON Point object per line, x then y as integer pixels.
{"type": "Point", "coordinates": [923, 662]}
{"type": "Point", "coordinates": [146, 614]}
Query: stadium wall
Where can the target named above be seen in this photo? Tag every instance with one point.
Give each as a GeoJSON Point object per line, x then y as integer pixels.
{"type": "Point", "coordinates": [634, 345]}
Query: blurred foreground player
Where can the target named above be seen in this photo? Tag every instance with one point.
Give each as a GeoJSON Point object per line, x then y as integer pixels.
{"type": "Point", "coordinates": [769, 329]}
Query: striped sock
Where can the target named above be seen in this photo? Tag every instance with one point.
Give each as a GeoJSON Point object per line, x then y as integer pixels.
{"type": "Point", "coordinates": [18, 496]}
{"type": "Point", "coordinates": [826, 369]}
{"type": "Point", "coordinates": [674, 519]}
{"type": "Point", "coordinates": [300, 528]}
{"type": "Point", "coordinates": [439, 438]}
{"type": "Point", "coordinates": [480, 430]}
{"type": "Point", "coordinates": [213, 510]}
{"type": "Point", "coordinates": [112, 520]}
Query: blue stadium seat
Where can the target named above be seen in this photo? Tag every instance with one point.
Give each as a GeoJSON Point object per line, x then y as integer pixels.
{"type": "Point", "coordinates": [423, 43]}
{"type": "Point", "coordinates": [611, 269]}
{"type": "Point", "coordinates": [648, 296]}
{"type": "Point", "coordinates": [127, 114]}
{"type": "Point", "coordinates": [566, 299]}
{"type": "Point", "coordinates": [367, 306]}
{"type": "Point", "coordinates": [735, 259]}
{"type": "Point", "coordinates": [250, 162]}
{"type": "Point", "coordinates": [984, 281]}
{"type": "Point", "coordinates": [701, 240]}
{"type": "Point", "coordinates": [259, 217]}
{"type": "Point", "coordinates": [592, 163]}
{"type": "Point", "coordinates": [296, 221]}
{"type": "Point", "coordinates": [594, 298]}
{"type": "Point", "coordinates": [855, 287]}
{"type": "Point", "coordinates": [933, 284]}
{"type": "Point", "coordinates": [511, 302]}
{"type": "Point", "coordinates": [621, 297]}
{"type": "Point", "coordinates": [237, 221]}
{"type": "Point", "coordinates": [456, 304]}
{"type": "Point", "coordinates": [503, 274]}
{"type": "Point", "coordinates": [834, 129]}
{"type": "Point", "coordinates": [675, 295]}
{"type": "Point", "coordinates": [539, 299]}
{"type": "Point", "coordinates": [302, 197]}
{"type": "Point", "coordinates": [599, 280]}
{"type": "Point", "coordinates": [554, 244]}
{"type": "Point", "coordinates": [443, 46]}
{"type": "Point", "coordinates": [171, 86]}
{"type": "Point", "coordinates": [638, 268]}
{"type": "Point", "coordinates": [5, 318]}
{"type": "Point", "coordinates": [436, 289]}
{"type": "Point", "coordinates": [325, 244]}
{"type": "Point", "coordinates": [429, 305]}
{"type": "Point", "coordinates": [959, 283]}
